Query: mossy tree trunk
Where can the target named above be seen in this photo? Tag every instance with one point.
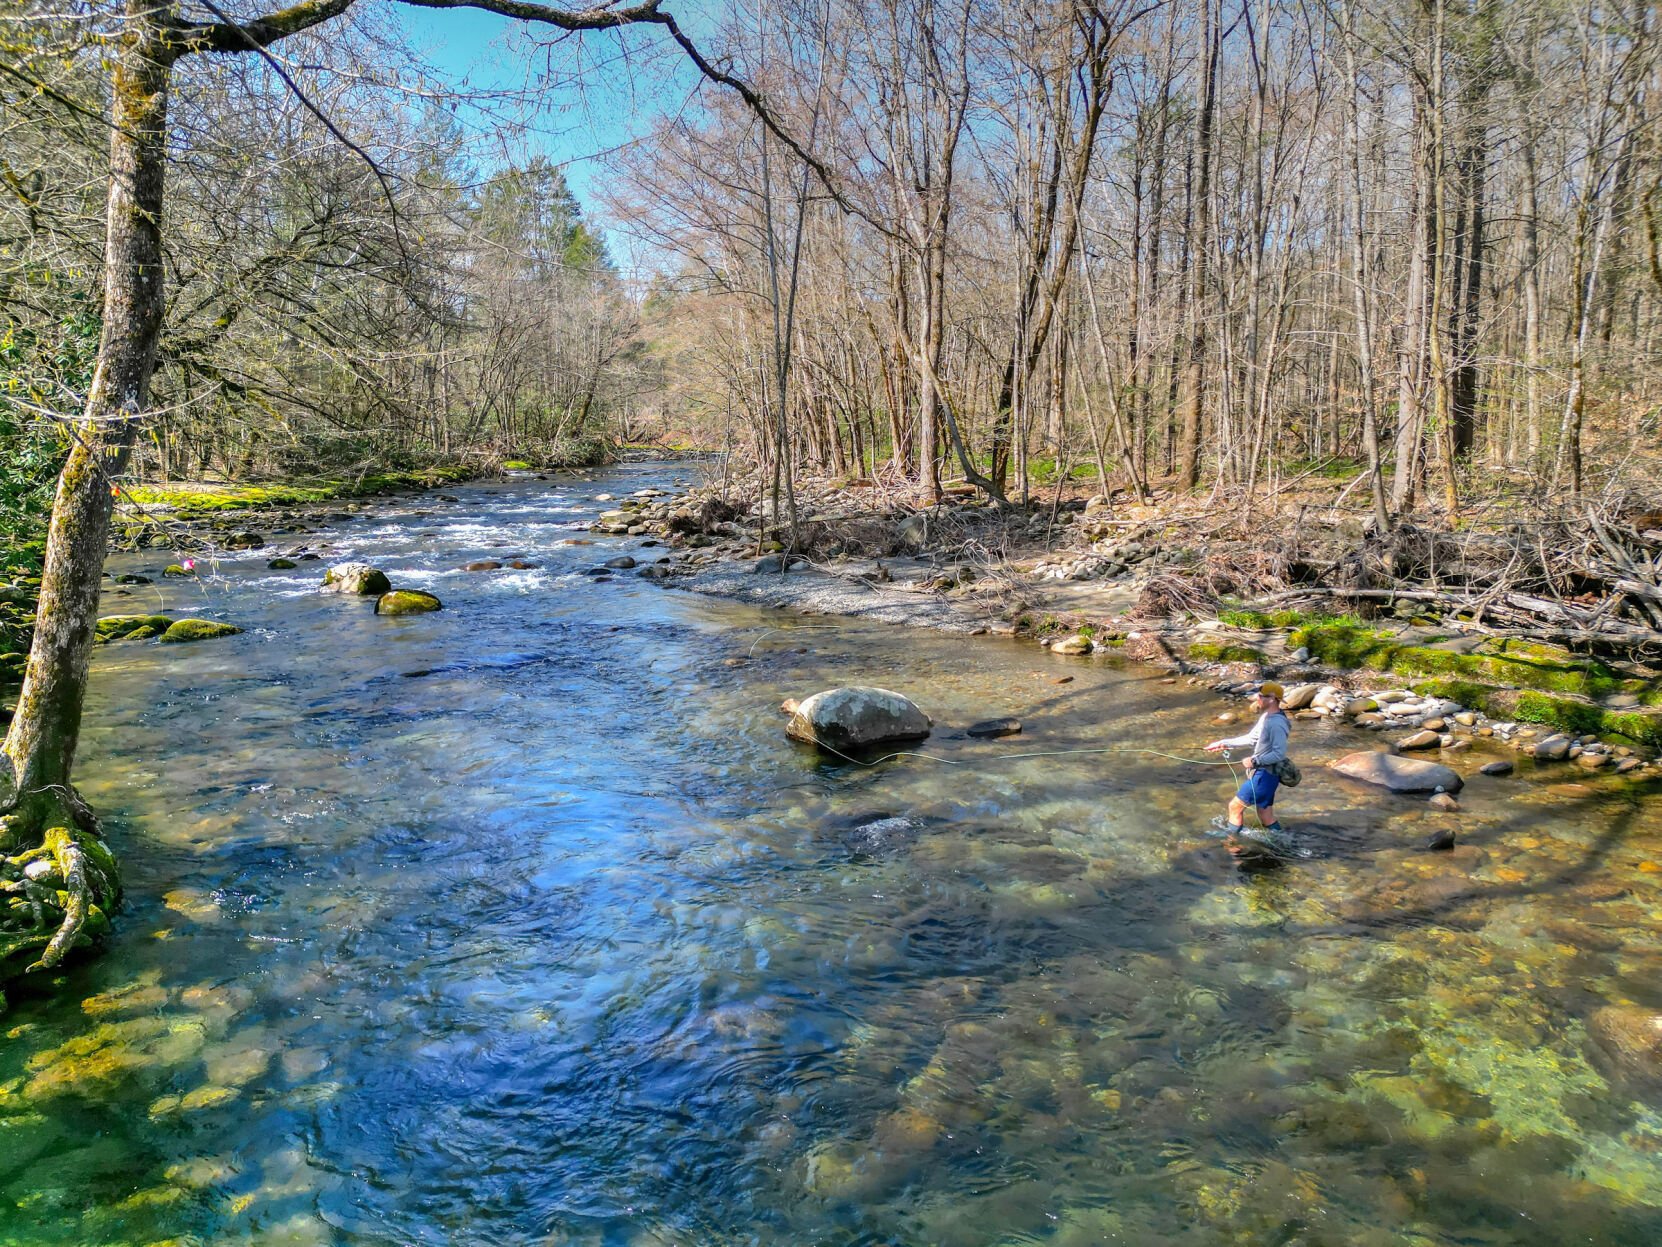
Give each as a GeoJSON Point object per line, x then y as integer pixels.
{"type": "Point", "coordinates": [51, 908]}
{"type": "Point", "coordinates": [58, 880]}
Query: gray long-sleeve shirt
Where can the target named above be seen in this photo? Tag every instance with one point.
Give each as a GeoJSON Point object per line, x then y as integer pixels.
{"type": "Point", "coordinates": [1268, 739]}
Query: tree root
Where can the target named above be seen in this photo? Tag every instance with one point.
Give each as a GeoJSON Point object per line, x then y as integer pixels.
{"type": "Point", "coordinates": [58, 895]}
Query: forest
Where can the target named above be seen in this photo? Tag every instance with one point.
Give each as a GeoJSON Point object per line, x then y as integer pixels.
{"type": "Point", "coordinates": [467, 466]}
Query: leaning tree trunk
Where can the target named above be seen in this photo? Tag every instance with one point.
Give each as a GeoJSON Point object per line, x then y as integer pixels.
{"type": "Point", "coordinates": [59, 878]}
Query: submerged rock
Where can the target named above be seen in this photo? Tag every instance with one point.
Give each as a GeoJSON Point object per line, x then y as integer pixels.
{"type": "Point", "coordinates": [1398, 774]}
{"type": "Point", "coordinates": [198, 630]}
{"type": "Point", "coordinates": [848, 718]}
{"type": "Point", "coordinates": [482, 565]}
{"type": "Point", "coordinates": [358, 578]}
{"type": "Point", "coordinates": [282, 565]}
{"type": "Point", "coordinates": [407, 602]}
{"type": "Point", "coordinates": [244, 541]}
{"type": "Point", "coordinates": [1499, 767]}
{"type": "Point", "coordinates": [989, 728]}
{"type": "Point", "coordinates": [135, 627]}
{"type": "Point", "coordinates": [1627, 1042]}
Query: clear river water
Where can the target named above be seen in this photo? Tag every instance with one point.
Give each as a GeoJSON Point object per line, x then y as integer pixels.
{"type": "Point", "coordinates": [523, 923]}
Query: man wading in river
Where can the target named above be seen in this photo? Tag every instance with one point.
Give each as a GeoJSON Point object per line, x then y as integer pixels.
{"type": "Point", "coordinates": [1268, 741]}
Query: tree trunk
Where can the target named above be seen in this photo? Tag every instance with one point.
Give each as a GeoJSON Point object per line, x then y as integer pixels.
{"type": "Point", "coordinates": [1188, 464]}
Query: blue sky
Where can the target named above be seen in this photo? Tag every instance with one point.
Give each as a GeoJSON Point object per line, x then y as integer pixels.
{"type": "Point", "coordinates": [586, 96]}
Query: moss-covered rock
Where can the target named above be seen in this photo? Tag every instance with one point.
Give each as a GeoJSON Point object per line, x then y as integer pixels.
{"type": "Point", "coordinates": [122, 627]}
{"type": "Point", "coordinates": [282, 565]}
{"type": "Point", "coordinates": [1223, 651]}
{"type": "Point", "coordinates": [176, 569]}
{"type": "Point", "coordinates": [1498, 661]}
{"type": "Point", "coordinates": [356, 578]}
{"type": "Point", "coordinates": [407, 602]}
{"type": "Point", "coordinates": [198, 630]}
{"type": "Point", "coordinates": [1564, 711]}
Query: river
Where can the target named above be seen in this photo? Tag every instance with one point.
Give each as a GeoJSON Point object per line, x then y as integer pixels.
{"type": "Point", "coordinates": [523, 923]}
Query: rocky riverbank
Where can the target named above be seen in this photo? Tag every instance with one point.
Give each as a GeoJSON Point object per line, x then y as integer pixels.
{"type": "Point", "coordinates": [931, 569]}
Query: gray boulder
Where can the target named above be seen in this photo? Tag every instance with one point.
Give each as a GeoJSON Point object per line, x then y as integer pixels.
{"type": "Point", "coordinates": [357, 578]}
{"type": "Point", "coordinates": [850, 718]}
{"type": "Point", "coordinates": [1552, 749]}
{"type": "Point", "coordinates": [1398, 774]}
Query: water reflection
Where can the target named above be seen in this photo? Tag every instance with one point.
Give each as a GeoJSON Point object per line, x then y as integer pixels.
{"type": "Point", "coordinates": [523, 923]}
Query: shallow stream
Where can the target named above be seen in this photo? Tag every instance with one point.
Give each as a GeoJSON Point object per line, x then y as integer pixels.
{"type": "Point", "coordinates": [523, 923]}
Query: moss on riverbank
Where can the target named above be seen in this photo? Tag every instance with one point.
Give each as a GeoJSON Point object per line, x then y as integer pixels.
{"type": "Point", "coordinates": [1495, 661]}
{"type": "Point", "coordinates": [188, 500]}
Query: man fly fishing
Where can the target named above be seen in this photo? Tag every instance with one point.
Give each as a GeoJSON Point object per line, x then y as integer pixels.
{"type": "Point", "coordinates": [1264, 769]}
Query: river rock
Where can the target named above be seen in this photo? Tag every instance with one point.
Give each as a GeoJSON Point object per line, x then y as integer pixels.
{"type": "Point", "coordinates": [1420, 740]}
{"type": "Point", "coordinates": [622, 562]}
{"type": "Point", "coordinates": [357, 578]}
{"type": "Point", "coordinates": [1552, 749]}
{"type": "Point", "coordinates": [849, 718]}
{"type": "Point", "coordinates": [989, 728]}
{"type": "Point", "coordinates": [1079, 644]}
{"type": "Point", "coordinates": [482, 565]}
{"type": "Point", "coordinates": [244, 541]}
{"type": "Point", "coordinates": [197, 630]}
{"type": "Point", "coordinates": [1627, 1045]}
{"type": "Point", "coordinates": [407, 602]}
{"type": "Point", "coordinates": [1442, 840]}
{"type": "Point", "coordinates": [1442, 801]}
{"type": "Point", "coordinates": [282, 565]}
{"type": "Point", "coordinates": [1300, 696]}
{"type": "Point", "coordinates": [1358, 706]}
{"type": "Point", "coordinates": [1398, 774]}
{"type": "Point", "coordinates": [1594, 761]}
{"type": "Point", "coordinates": [1500, 767]}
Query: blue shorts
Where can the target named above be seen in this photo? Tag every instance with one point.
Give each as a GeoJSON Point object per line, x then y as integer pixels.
{"type": "Point", "coordinates": [1259, 789]}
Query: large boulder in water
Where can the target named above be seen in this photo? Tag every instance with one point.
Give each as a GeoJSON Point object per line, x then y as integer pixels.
{"type": "Point", "coordinates": [358, 578]}
{"type": "Point", "coordinates": [850, 718]}
{"type": "Point", "coordinates": [1398, 774]}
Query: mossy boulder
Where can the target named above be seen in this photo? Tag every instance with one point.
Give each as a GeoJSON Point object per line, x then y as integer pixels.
{"type": "Point", "coordinates": [282, 565]}
{"type": "Point", "coordinates": [1223, 651]}
{"type": "Point", "coordinates": [1496, 661]}
{"type": "Point", "coordinates": [175, 569]}
{"type": "Point", "coordinates": [198, 630]}
{"type": "Point", "coordinates": [134, 627]}
{"type": "Point", "coordinates": [1639, 724]}
{"type": "Point", "coordinates": [407, 602]}
{"type": "Point", "coordinates": [356, 578]}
